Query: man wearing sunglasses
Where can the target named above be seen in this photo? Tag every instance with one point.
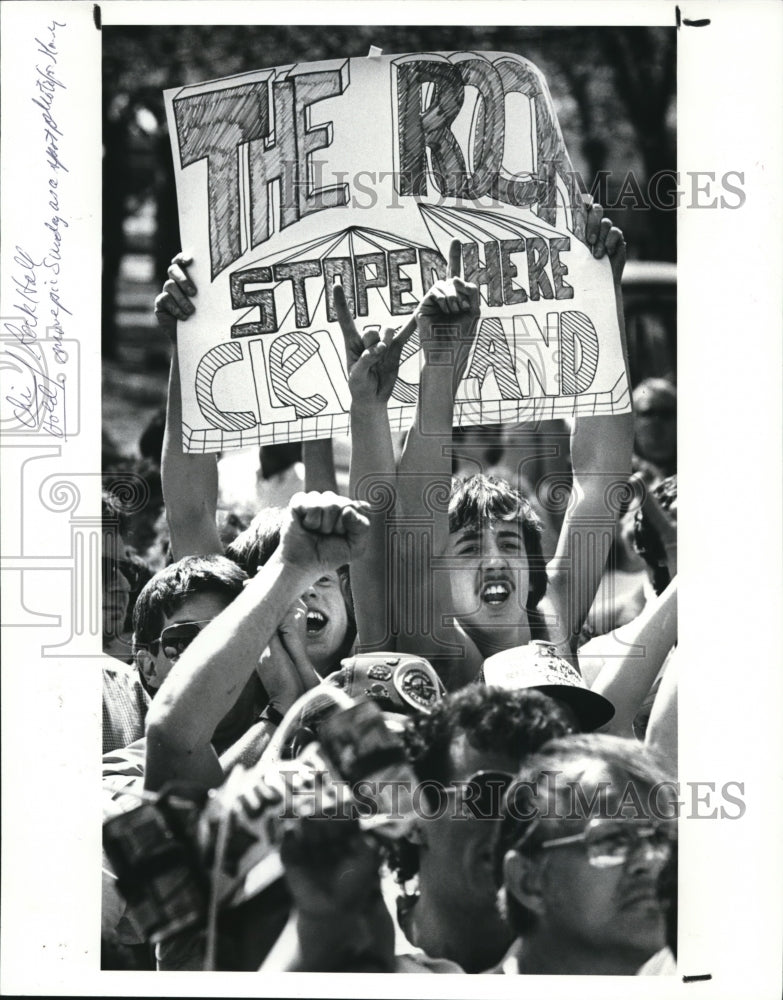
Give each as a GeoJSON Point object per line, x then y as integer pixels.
{"type": "Point", "coordinates": [464, 754]}
{"type": "Point", "coordinates": [174, 606]}
{"type": "Point", "coordinates": [171, 610]}
{"type": "Point", "coordinates": [321, 532]}
{"type": "Point", "coordinates": [588, 831]}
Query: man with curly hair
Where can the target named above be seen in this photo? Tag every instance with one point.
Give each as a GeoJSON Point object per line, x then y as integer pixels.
{"type": "Point", "coordinates": [464, 754]}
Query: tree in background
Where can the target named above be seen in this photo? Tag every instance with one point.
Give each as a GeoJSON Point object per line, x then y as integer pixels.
{"type": "Point", "coordinates": [613, 90]}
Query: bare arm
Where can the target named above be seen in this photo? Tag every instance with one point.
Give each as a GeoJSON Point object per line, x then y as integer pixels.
{"type": "Point", "coordinates": [323, 531]}
{"type": "Point", "coordinates": [319, 466]}
{"type": "Point", "coordinates": [248, 749]}
{"type": "Point", "coordinates": [373, 361]}
{"type": "Point", "coordinates": [190, 481]}
{"type": "Point", "coordinates": [662, 726]}
{"type": "Point", "coordinates": [446, 319]}
{"type": "Point", "coordinates": [427, 448]}
{"type": "Point", "coordinates": [601, 449]}
{"type": "Point", "coordinates": [625, 680]}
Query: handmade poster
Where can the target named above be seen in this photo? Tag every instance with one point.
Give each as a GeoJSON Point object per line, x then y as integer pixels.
{"type": "Point", "coordinates": [51, 575]}
{"type": "Point", "coordinates": [363, 171]}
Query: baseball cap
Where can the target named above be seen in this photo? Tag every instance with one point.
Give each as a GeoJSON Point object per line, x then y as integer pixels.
{"type": "Point", "coordinates": [537, 665]}
{"type": "Point", "coordinates": [398, 683]}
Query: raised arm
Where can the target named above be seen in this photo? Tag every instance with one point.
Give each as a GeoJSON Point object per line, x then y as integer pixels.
{"type": "Point", "coordinates": [373, 361]}
{"type": "Point", "coordinates": [662, 725]}
{"type": "Point", "coordinates": [446, 319]}
{"type": "Point", "coordinates": [601, 449]}
{"type": "Point", "coordinates": [323, 531]}
{"type": "Point", "coordinates": [627, 677]}
{"type": "Point", "coordinates": [318, 459]}
{"type": "Point", "coordinates": [445, 347]}
{"type": "Point", "coordinates": [190, 481]}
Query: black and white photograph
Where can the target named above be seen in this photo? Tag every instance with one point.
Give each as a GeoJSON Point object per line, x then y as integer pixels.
{"type": "Point", "coordinates": [389, 425]}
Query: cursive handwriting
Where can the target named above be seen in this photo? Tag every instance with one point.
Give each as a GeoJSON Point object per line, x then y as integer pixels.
{"type": "Point", "coordinates": [46, 84]}
{"type": "Point", "coordinates": [31, 286]}
{"type": "Point", "coordinates": [40, 403]}
{"type": "Point", "coordinates": [41, 309]}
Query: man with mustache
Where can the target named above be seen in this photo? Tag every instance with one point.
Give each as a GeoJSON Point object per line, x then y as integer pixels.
{"type": "Point", "coordinates": [589, 828]}
{"type": "Point", "coordinates": [585, 857]}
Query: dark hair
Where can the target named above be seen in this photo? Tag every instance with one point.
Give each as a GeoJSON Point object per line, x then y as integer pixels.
{"type": "Point", "coordinates": [479, 499]}
{"type": "Point", "coordinates": [253, 547]}
{"type": "Point", "coordinates": [143, 576]}
{"type": "Point", "coordinates": [626, 760]}
{"type": "Point", "coordinates": [172, 586]}
{"type": "Point", "coordinates": [113, 514]}
{"type": "Point", "coordinates": [151, 440]}
{"type": "Point", "coordinates": [512, 722]}
{"type": "Point", "coordinates": [646, 539]}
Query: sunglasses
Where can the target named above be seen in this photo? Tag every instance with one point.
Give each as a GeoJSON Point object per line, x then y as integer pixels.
{"type": "Point", "coordinates": [129, 570]}
{"type": "Point", "coordinates": [175, 639]}
{"type": "Point", "coordinates": [609, 844]}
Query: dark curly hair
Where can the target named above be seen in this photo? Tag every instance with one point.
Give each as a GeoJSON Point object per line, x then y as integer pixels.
{"type": "Point", "coordinates": [515, 723]}
{"type": "Point", "coordinates": [479, 499]}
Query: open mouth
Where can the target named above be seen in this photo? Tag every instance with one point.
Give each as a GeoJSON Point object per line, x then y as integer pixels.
{"type": "Point", "coordinates": [495, 592]}
{"type": "Point", "coordinates": [316, 622]}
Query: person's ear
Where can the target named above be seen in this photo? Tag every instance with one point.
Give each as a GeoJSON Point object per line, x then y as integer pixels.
{"type": "Point", "coordinates": [145, 662]}
{"type": "Point", "coordinates": [479, 865]}
{"type": "Point", "coordinates": [522, 880]}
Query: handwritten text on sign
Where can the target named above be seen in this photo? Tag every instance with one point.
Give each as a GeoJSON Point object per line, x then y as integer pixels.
{"type": "Point", "coordinates": [363, 171]}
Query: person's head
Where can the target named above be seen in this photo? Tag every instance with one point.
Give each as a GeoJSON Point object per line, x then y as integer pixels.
{"type": "Point", "coordinates": [119, 573]}
{"type": "Point", "coordinates": [587, 831]}
{"type": "Point", "coordinates": [655, 422]}
{"type": "Point", "coordinates": [139, 480]}
{"type": "Point", "coordinates": [497, 569]}
{"type": "Point", "coordinates": [331, 623]}
{"type": "Point", "coordinates": [646, 536]}
{"type": "Point", "coordinates": [175, 605]}
{"type": "Point", "coordinates": [477, 729]}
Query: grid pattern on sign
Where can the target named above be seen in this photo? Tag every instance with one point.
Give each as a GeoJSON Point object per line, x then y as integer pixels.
{"type": "Point", "coordinates": [466, 414]}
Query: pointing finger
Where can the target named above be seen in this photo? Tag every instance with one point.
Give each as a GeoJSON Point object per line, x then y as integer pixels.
{"type": "Point", "coordinates": [353, 342]}
{"type": "Point", "coordinates": [455, 259]}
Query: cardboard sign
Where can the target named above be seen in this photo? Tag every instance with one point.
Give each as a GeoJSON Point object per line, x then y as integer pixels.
{"type": "Point", "coordinates": [363, 171]}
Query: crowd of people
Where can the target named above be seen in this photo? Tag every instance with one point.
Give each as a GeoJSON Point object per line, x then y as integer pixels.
{"type": "Point", "coordinates": [521, 666]}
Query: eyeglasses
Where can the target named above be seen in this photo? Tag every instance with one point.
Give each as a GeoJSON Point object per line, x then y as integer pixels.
{"type": "Point", "coordinates": [175, 639]}
{"type": "Point", "coordinates": [609, 844]}
{"type": "Point", "coordinates": [129, 570]}
{"type": "Point", "coordinates": [482, 794]}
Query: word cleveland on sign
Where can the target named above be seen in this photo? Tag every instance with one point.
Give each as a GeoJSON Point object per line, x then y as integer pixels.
{"type": "Point", "coordinates": [362, 171]}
